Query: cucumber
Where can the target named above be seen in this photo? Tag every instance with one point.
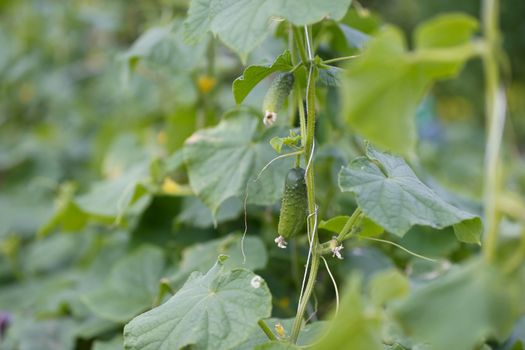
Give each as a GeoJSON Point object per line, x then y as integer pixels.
{"type": "Point", "coordinates": [294, 207]}
{"type": "Point", "coordinates": [275, 96]}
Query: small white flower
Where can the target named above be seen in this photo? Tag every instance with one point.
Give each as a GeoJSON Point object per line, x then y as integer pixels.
{"type": "Point", "coordinates": [269, 118]}
{"type": "Point", "coordinates": [281, 242]}
{"type": "Point", "coordinates": [256, 282]}
{"type": "Point", "coordinates": [336, 251]}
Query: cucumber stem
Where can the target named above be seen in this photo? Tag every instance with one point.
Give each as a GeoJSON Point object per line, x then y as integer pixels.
{"type": "Point", "coordinates": [266, 330]}
{"type": "Point", "coordinates": [495, 106]}
{"type": "Point", "coordinates": [310, 186]}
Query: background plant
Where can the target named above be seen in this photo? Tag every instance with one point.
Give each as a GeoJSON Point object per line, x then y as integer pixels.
{"type": "Point", "coordinates": [142, 124]}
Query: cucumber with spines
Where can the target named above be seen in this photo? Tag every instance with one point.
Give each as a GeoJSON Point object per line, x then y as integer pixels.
{"type": "Point", "coordinates": [276, 95]}
{"type": "Point", "coordinates": [294, 207]}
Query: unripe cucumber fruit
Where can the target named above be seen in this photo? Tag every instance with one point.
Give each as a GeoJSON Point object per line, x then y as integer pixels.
{"type": "Point", "coordinates": [276, 95]}
{"type": "Point", "coordinates": [294, 205]}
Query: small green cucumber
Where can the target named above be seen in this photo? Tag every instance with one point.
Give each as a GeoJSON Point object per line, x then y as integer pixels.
{"type": "Point", "coordinates": [276, 95]}
{"type": "Point", "coordinates": [294, 207]}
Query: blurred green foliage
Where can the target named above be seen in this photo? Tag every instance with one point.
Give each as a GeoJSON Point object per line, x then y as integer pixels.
{"type": "Point", "coordinates": [97, 99]}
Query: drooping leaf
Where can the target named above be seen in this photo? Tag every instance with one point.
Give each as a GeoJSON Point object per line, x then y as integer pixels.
{"type": "Point", "coordinates": [201, 256]}
{"type": "Point", "coordinates": [131, 287]}
{"type": "Point", "coordinates": [216, 310]}
{"type": "Point", "coordinates": [244, 24]}
{"type": "Point", "coordinates": [252, 75]}
{"type": "Point", "coordinates": [384, 86]}
{"type": "Point", "coordinates": [223, 160]}
{"type": "Point", "coordinates": [478, 297]}
{"type": "Point", "coordinates": [389, 193]}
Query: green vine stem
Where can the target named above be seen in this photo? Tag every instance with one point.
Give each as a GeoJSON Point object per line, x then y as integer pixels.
{"type": "Point", "coordinates": [349, 225]}
{"type": "Point", "coordinates": [298, 38]}
{"type": "Point", "coordinates": [495, 109]}
{"type": "Point", "coordinates": [266, 330]}
{"type": "Point", "coordinates": [310, 185]}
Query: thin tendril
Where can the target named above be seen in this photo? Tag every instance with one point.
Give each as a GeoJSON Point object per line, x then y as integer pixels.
{"type": "Point", "coordinates": [308, 46]}
{"type": "Point", "coordinates": [245, 205]}
{"type": "Point", "coordinates": [335, 286]}
{"type": "Point", "coordinates": [276, 158]}
{"type": "Point", "coordinates": [400, 247]}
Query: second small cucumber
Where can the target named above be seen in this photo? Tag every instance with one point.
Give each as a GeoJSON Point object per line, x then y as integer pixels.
{"type": "Point", "coordinates": [294, 207]}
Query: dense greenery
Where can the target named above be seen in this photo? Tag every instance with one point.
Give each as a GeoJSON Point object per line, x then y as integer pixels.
{"type": "Point", "coordinates": [144, 148]}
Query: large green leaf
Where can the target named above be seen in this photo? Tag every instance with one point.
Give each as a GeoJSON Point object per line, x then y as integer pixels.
{"type": "Point", "coordinates": [131, 287]}
{"type": "Point", "coordinates": [244, 24]}
{"type": "Point", "coordinates": [221, 160]}
{"type": "Point", "coordinates": [463, 308]}
{"type": "Point", "coordinates": [385, 85]}
{"type": "Point", "coordinates": [216, 310]}
{"type": "Point", "coordinates": [200, 257]}
{"type": "Point", "coordinates": [391, 195]}
{"type": "Point", "coordinates": [252, 75]}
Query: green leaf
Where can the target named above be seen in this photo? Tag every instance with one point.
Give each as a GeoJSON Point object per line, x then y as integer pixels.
{"type": "Point", "coordinates": [131, 287]}
{"type": "Point", "coordinates": [163, 46]}
{"type": "Point", "coordinates": [292, 141]}
{"type": "Point", "coordinates": [216, 310]}
{"type": "Point", "coordinates": [201, 256]}
{"type": "Point", "coordinates": [388, 285]}
{"type": "Point", "coordinates": [354, 328]}
{"type": "Point", "coordinates": [244, 24]}
{"type": "Point", "coordinates": [223, 159]}
{"type": "Point", "coordinates": [276, 345]}
{"type": "Point", "coordinates": [479, 298]}
{"type": "Point", "coordinates": [354, 37]}
{"type": "Point", "coordinates": [145, 44]}
{"type": "Point", "coordinates": [445, 30]}
{"type": "Point", "coordinates": [330, 76]}
{"type": "Point", "coordinates": [252, 75]}
{"type": "Point", "coordinates": [33, 334]}
{"type": "Point", "coordinates": [334, 224]}
{"type": "Point", "coordinates": [390, 194]}
{"type": "Point", "coordinates": [367, 227]}
{"type": "Point", "coordinates": [385, 85]}
{"type": "Point", "coordinates": [195, 213]}
{"type": "Point", "coordinates": [198, 22]}
{"type": "Point", "coordinates": [114, 197]}
{"type": "Point", "coordinates": [67, 215]}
